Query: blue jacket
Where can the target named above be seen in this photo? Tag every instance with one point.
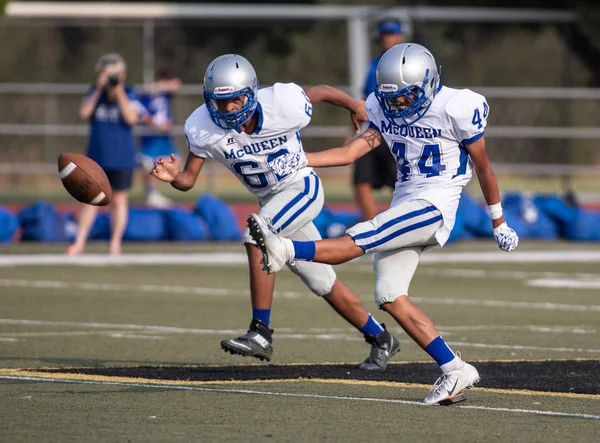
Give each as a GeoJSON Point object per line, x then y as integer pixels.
{"type": "Point", "coordinates": [111, 141]}
{"type": "Point", "coordinates": [371, 81]}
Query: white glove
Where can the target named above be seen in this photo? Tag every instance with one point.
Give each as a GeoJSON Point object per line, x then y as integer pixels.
{"type": "Point", "coordinates": [287, 163]}
{"type": "Point", "coordinates": [506, 237]}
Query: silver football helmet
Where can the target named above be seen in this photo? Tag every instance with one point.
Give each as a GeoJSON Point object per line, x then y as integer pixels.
{"type": "Point", "coordinates": [230, 76]}
{"type": "Point", "coordinates": [407, 70]}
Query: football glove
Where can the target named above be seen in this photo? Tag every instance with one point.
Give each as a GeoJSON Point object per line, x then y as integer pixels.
{"type": "Point", "coordinates": [287, 163]}
{"type": "Point", "coordinates": [506, 237]}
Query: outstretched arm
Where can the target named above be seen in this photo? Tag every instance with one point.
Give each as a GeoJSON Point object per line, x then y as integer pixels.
{"type": "Point", "coordinates": [506, 238]}
{"type": "Point", "coordinates": [167, 170]}
{"type": "Point", "coordinates": [333, 96]}
{"type": "Point", "coordinates": [348, 153]}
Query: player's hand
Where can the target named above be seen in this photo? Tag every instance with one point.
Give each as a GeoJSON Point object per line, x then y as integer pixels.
{"type": "Point", "coordinates": [506, 237]}
{"type": "Point", "coordinates": [166, 169]}
{"type": "Point", "coordinates": [358, 115]}
{"type": "Point", "coordinates": [287, 163]}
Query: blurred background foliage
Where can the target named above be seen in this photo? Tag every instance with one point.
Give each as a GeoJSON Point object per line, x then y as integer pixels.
{"type": "Point", "coordinates": [315, 52]}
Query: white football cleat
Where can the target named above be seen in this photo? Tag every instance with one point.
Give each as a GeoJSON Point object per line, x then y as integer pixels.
{"type": "Point", "coordinates": [451, 385]}
{"type": "Point", "coordinates": [272, 246]}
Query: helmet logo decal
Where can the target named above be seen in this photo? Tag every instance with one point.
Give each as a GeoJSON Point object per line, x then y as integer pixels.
{"type": "Point", "coordinates": [388, 88]}
{"type": "Point", "coordinates": [224, 90]}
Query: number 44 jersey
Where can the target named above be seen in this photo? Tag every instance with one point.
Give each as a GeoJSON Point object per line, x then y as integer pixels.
{"type": "Point", "coordinates": [283, 110]}
{"type": "Point", "coordinates": [433, 164]}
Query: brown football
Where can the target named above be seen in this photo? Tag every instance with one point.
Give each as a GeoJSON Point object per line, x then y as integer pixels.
{"type": "Point", "coordinates": [85, 180]}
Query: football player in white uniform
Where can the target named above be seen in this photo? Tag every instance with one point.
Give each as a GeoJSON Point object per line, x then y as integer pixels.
{"type": "Point", "coordinates": [246, 128]}
{"type": "Point", "coordinates": [436, 135]}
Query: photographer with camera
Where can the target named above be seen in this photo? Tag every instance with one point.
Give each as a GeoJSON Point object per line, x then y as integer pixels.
{"type": "Point", "coordinates": [112, 109]}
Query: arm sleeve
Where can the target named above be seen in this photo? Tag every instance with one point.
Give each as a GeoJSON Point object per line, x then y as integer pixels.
{"type": "Point", "coordinates": [373, 112]}
{"type": "Point", "coordinates": [295, 109]}
{"type": "Point", "coordinates": [468, 113]}
{"type": "Point", "coordinates": [194, 143]}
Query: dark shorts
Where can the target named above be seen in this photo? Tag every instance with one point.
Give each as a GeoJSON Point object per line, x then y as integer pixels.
{"type": "Point", "coordinates": [378, 168]}
{"type": "Point", "coordinates": [120, 179]}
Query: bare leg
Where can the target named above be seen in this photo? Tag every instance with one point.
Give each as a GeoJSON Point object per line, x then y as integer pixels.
{"type": "Point", "coordinates": [337, 250]}
{"type": "Point", "coordinates": [118, 221]}
{"type": "Point", "coordinates": [261, 283]}
{"type": "Point", "coordinates": [346, 303]}
{"type": "Point", "coordinates": [87, 215]}
{"type": "Point", "coordinates": [363, 195]}
{"type": "Point", "coordinates": [414, 321]}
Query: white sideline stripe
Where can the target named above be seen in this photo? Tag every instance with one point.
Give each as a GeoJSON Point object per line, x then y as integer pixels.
{"type": "Point", "coordinates": [564, 283]}
{"type": "Point", "coordinates": [64, 173]}
{"type": "Point", "coordinates": [9, 339]}
{"type": "Point", "coordinates": [321, 336]}
{"type": "Point", "coordinates": [297, 395]}
{"type": "Point", "coordinates": [98, 198]}
{"type": "Point", "coordinates": [236, 258]}
{"type": "Point", "coordinates": [50, 284]}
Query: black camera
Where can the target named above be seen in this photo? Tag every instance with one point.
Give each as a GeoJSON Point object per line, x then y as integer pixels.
{"type": "Point", "coordinates": [113, 81]}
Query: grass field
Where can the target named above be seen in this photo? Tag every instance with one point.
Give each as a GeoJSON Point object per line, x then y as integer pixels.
{"type": "Point", "coordinates": [128, 350]}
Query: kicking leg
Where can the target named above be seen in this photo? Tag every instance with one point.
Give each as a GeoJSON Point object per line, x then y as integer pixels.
{"type": "Point", "coordinates": [408, 224]}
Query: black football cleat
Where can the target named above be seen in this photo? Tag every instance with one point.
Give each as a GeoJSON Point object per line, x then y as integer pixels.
{"type": "Point", "coordinates": [257, 342]}
{"type": "Point", "coordinates": [383, 347]}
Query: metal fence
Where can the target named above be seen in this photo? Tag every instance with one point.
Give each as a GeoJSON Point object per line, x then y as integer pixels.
{"type": "Point", "coordinates": [539, 127]}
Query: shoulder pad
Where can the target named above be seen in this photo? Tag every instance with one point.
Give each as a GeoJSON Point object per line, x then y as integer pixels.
{"type": "Point", "coordinates": [461, 105]}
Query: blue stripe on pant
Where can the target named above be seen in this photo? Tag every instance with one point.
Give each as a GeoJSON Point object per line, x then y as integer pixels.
{"type": "Point", "coordinates": [394, 221]}
{"type": "Point", "coordinates": [292, 202]}
{"type": "Point", "coordinates": [399, 232]}
{"type": "Point", "coordinates": [305, 193]}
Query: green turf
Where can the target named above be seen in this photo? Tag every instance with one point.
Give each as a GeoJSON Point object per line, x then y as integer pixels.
{"type": "Point", "coordinates": [98, 413]}
{"type": "Point", "coordinates": [113, 316]}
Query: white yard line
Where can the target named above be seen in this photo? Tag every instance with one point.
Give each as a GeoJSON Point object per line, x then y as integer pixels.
{"type": "Point", "coordinates": [483, 273]}
{"type": "Point", "coordinates": [137, 336]}
{"type": "Point", "coordinates": [564, 283]}
{"type": "Point", "coordinates": [55, 334]}
{"type": "Point", "coordinates": [352, 336]}
{"type": "Point", "coordinates": [531, 328]}
{"type": "Point", "coordinates": [239, 258]}
{"type": "Point", "coordinates": [113, 287]}
{"type": "Point", "coordinates": [298, 395]}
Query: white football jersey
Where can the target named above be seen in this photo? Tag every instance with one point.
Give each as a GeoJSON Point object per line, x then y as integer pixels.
{"type": "Point", "coordinates": [283, 110]}
{"type": "Point", "coordinates": [433, 163]}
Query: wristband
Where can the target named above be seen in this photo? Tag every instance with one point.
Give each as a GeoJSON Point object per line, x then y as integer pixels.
{"type": "Point", "coordinates": [495, 210]}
